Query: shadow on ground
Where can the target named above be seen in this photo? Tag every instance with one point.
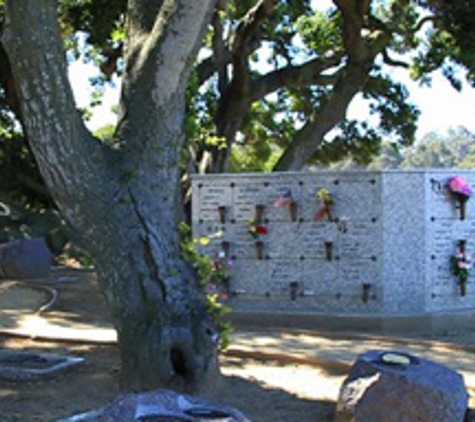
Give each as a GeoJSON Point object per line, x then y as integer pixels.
{"type": "Point", "coordinates": [95, 383]}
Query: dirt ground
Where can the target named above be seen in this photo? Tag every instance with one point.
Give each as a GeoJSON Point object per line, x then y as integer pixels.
{"type": "Point", "coordinates": [266, 391]}
{"type": "Point", "coordinates": [258, 389]}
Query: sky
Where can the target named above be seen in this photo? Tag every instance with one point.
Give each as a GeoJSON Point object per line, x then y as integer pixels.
{"type": "Point", "coordinates": [79, 74]}
{"type": "Point", "coordinates": [441, 106]}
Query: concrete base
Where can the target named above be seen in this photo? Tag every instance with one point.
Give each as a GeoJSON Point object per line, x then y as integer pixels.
{"type": "Point", "coordinates": [421, 324]}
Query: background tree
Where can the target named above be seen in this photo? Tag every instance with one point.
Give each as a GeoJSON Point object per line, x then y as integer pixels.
{"type": "Point", "coordinates": [292, 111]}
{"type": "Point", "coordinates": [124, 196]}
{"type": "Point", "coordinates": [456, 148]}
{"type": "Point", "coordinates": [437, 150]}
{"type": "Point", "coordinates": [318, 62]}
{"type": "Point", "coordinates": [452, 40]}
{"type": "Point", "coordinates": [389, 157]}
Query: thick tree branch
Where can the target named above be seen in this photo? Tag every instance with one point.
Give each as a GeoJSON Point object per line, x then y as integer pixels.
{"type": "Point", "coordinates": [33, 185]}
{"type": "Point", "coordinates": [246, 32]}
{"type": "Point", "coordinates": [236, 100]}
{"type": "Point", "coordinates": [357, 8]}
{"type": "Point", "coordinates": [8, 84]}
{"type": "Point", "coordinates": [219, 47]}
{"type": "Point", "coordinates": [208, 67]}
{"type": "Point", "coordinates": [142, 14]}
{"type": "Point", "coordinates": [159, 58]}
{"type": "Point", "coordinates": [55, 128]}
{"type": "Point", "coordinates": [251, 24]}
{"type": "Point", "coordinates": [391, 62]}
{"type": "Point", "coordinates": [309, 73]}
{"type": "Point", "coordinates": [355, 14]}
{"type": "Point", "coordinates": [310, 137]}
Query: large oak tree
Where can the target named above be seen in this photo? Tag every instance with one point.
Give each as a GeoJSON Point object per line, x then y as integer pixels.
{"type": "Point", "coordinates": [123, 196]}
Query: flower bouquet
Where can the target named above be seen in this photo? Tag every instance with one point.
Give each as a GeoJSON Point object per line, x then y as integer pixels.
{"type": "Point", "coordinates": [460, 266]}
{"type": "Point", "coordinates": [256, 230]}
{"type": "Point", "coordinates": [326, 202]}
{"type": "Point", "coordinates": [461, 191]}
{"type": "Point", "coordinates": [287, 200]}
{"type": "Point", "coordinates": [219, 283]}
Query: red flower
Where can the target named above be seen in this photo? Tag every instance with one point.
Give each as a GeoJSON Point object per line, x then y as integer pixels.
{"type": "Point", "coordinates": [261, 230]}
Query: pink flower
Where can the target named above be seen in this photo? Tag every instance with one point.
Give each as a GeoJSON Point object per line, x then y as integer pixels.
{"type": "Point", "coordinates": [284, 200]}
{"type": "Point", "coordinates": [459, 185]}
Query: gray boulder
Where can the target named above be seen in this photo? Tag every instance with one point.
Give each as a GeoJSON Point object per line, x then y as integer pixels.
{"type": "Point", "coordinates": [398, 387]}
{"type": "Point", "coordinates": [160, 406]}
{"type": "Point", "coordinates": [25, 259]}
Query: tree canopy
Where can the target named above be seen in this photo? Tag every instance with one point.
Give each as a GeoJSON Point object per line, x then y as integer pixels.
{"type": "Point", "coordinates": [274, 80]}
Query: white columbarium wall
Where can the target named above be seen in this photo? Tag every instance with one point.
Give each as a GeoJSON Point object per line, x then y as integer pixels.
{"type": "Point", "coordinates": [391, 242]}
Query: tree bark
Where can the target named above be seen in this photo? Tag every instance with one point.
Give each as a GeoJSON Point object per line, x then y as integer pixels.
{"type": "Point", "coordinates": [165, 336]}
{"type": "Point", "coordinates": [124, 198]}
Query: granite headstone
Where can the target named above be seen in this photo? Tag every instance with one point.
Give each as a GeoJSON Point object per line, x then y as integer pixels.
{"type": "Point", "coordinates": [160, 405]}
{"type": "Point", "coordinates": [398, 387]}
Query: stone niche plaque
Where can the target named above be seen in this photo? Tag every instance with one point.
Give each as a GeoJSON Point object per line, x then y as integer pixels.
{"type": "Point", "coordinates": [384, 249]}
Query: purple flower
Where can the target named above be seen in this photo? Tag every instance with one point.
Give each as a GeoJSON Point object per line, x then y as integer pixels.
{"type": "Point", "coordinates": [211, 288]}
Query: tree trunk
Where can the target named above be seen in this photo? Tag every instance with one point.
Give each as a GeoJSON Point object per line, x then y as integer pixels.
{"type": "Point", "coordinates": [124, 198]}
{"type": "Point", "coordinates": [165, 336]}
